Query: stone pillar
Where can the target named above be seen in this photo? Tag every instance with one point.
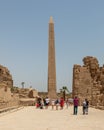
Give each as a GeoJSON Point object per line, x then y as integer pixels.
{"type": "Point", "coordinates": [51, 62]}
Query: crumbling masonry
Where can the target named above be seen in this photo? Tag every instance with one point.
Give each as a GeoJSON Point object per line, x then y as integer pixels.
{"type": "Point", "coordinates": [88, 82]}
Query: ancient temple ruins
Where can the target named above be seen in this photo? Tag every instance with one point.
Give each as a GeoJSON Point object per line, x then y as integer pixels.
{"type": "Point", "coordinates": [51, 61]}
{"type": "Point", "coordinates": [88, 82]}
{"type": "Point", "coordinates": [6, 83]}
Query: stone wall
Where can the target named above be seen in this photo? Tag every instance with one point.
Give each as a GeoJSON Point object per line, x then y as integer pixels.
{"type": "Point", "coordinates": [88, 82]}
{"type": "Point", "coordinates": [7, 98]}
{"type": "Point", "coordinates": [6, 83]}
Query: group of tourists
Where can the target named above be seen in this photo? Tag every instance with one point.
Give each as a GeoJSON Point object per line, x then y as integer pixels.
{"type": "Point", "coordinates": [59, 103]}
{"type": "Point", "coordinates": [46, 102]}
{"type": "Point", "coordinates": [85, 106]}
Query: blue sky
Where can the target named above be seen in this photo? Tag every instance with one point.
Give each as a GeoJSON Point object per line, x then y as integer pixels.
{"type": "Point", "coordinates": [79, 32]}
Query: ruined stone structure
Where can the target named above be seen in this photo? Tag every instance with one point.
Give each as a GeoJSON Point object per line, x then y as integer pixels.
{"type": "Point", "coordinates": [27, 96]}
{"type": "Point", "coordinates": [88, 82]}
{"type": "Point", "coordinates": [51, 62]}
{"type": "Point", "coordinates": [27, 92]}
{"type": "Point", "coordinates": [7, 98]}
{"type": "Point", "coordinates": [6, 83]}
{"type": "Point", "coordinates": [13, 96]}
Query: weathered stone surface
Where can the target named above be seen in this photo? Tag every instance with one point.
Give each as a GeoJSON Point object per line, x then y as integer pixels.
{"type": "Point", "coordinates": [26, 96]}
{"type": "Point", "coordinates": [88, 82]}
{"type": "Point", "coordinates": [6, 83]}
{"type": "Point", "coordinates": [51, 62]}
{"type": "Point", "coordinates": [27, 93]}
{"type": "Point", "coordinates": [7, 98]}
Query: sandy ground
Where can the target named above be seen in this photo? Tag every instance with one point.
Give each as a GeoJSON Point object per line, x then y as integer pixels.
{"type": "Point", "coordinates": [30, 118]}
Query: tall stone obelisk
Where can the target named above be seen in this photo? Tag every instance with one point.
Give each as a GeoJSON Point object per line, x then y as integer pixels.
{"type": "Point", "coordinates": [51, 62]}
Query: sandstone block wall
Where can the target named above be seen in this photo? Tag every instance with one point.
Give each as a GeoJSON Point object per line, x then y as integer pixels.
{"type": "Point", "coordinates": [88, 82]}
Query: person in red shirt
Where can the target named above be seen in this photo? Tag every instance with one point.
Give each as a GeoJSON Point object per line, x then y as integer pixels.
{"type": "Point", "coordinates": [61, 103]}
{"type": "Point", "coordinates": [76, 103]}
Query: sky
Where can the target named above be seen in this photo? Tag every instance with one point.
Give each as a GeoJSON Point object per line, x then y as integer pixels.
{"type": "Point", "coordinates": [24, 24]}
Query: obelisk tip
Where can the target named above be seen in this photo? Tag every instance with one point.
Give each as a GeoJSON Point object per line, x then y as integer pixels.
{"type": "Point", "coordinates": [51, 20]}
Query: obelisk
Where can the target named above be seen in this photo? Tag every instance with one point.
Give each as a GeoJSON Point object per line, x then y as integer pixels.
{"type": "Point", "coordinates": [51, 62]}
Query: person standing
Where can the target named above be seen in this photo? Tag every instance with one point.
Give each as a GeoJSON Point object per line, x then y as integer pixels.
{"type": "Point", "coordinates": [87, 105]}
{"type": "Point", "coordinates": [67, 103]}
{"type": "Point", "coordinates": [61, 103]}
{"type": "Point", "coordinates": [84, 107]}
{"type": "Point", "coordinates": [57, 103]}
{"type": "Point", "coordinates": [52, 103]}
{"type": "Point", "coordinates": [47, 100]}
{"type": "Point", "coordinates": [76, 103]}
